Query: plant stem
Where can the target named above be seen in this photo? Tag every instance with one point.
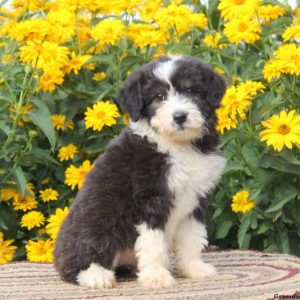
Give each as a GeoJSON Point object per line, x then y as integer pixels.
{"type": "Point", "coordinates": [18, 113]}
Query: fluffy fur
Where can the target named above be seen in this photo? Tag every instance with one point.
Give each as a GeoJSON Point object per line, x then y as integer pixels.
{"type": "Point", "coordinates": [146, 195]}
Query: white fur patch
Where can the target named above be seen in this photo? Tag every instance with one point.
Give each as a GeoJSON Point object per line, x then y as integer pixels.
{"type": "Point", "coordinates": [151, 248]}
{"type": "Point", "coordinates": [192, 174]}
{"type": "Point", "coordinates": [164, 70]}
{"type": "Point", "coordinates": [155, 278]}
{"type": "Point", "coordinates": [153, 260]}
{"type": "Point", "coordinates": [164, 123]}
{"type": "Point", "coordinates": [96, 277]}
{"type": "Point", "coordinates": [189, 242]}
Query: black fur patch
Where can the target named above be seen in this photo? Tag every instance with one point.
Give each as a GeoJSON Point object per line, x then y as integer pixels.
{"type": "Point", "coordinates": [126, 187]}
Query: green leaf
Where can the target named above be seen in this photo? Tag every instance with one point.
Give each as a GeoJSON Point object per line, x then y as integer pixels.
{"type": "Point", "coordinates": [43, 155]}
{"type": "Point", "coordinates": [8, 222]}
{"type": "Point", "coordinates": [251, 154]}
{"type": "Point", "coordinates": [20, 179]}
{"type": "Point", "coordinates": [284, 242]}
{"type": "Point", "coordinates": [43, 121]}
{"type": "Point", "coordinates": [243, 238]}
{"type": "Point", "coordinates": [4, 128]}
{"type": "Point", "coordinates": [229, 136]}
{"type": "Point", "coordinates": [223, 228]}
{"type": "Point", "coordinates": [264, 227]}
{"type": "Point", "coordinates": [99, 59]}
{"type": "Point", "coordinates": [233, 166]}
{"type": "Point", "coordinates": [283, 197]}
{"type": "Point", "coordinates": [6, 96]}
{"type": "Point", "coordinates": [270, 162]}
{"type": "Point", "coordinates": [40, 105]}
{"type": "Point", "coordinates": [290, 157]}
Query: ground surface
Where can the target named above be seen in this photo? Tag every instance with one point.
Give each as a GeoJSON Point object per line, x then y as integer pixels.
{"type": "Point", "coordinates": [242, 275]}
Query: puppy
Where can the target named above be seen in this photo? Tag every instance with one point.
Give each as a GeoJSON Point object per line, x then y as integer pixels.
{"type": "Point", "coordinates": [146, 195]}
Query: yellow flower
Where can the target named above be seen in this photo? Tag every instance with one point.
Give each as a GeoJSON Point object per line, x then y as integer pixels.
{"type": "Point", "coordinates": [241, 202]}
{"type": "Point", "coordinates": [286, 61]}
{"type": "Point", "coordinates": [251, 88]}
{"type": "Point", "coordinates": [102, 113]}
{"type": "Point", "coordinates": [46, 180]}
{"type": "Point", "coordinates": [282, 130]}
{"type": "Point", "coordinates": [40, 251]}
{"type": "Point", "coordinates": [25, 202]}
{"type": "Point", "coordinates": [219, 70]}
{"type": "Point", "coordinates": [149, 9]}
{"type": "Point", "coordinates": [55, 221]}
{"type": "Point", "coordinates": [25, 110]}
{"type": "Point", "coordinates": [62, 24]}
{"type": "Point", "coordinates": [273, 69]}
{"type": "Point", "coordinates": [234, 9]}
{"type": "Point", "coordinates": [198, 20]}
{"type": "Point", "coordinates": [41, 54]}
{"type": "Point", "coordinates": [126, 119]}
{"type": "Point", "coordinates": [7, 251]}
{"type": "Point", "coordinates": [144, 35]}
{"type": "Point", "coordinates": [67, 152]}
{"type": "Point", "coordinates": [130, 6]}
{"type": "Point", "coordinates": [179, 18]}
{"type": "Point", "coordinates": [225, 120]}
{"type": "Point", "coordinates": [76, 175]}
{"type": "Point", "coordinates": [32, 5]}
{"type": "Point", "coordinates": [30, 30]}
{"type": "Point", "coordinates": [270, 12]}
{"type": "Point", "coordinates": [6, 58]}
{"type": "Point", "coordinates": [289, 55]}
{"type": "Point", "coordinates": [32, 219]}
{"type": "Point", "coordinates": [235, 103]}
{"type": "Point", "coordinates": [108, 32]}
{"type": "Point", "coordinates": [76, 62]}
{"type": "Point", "coordinates": [99, 76]}
{"type": "Point", "coordinates": [51, 77]}
{"type": "Point", "coordinates": [212, 41]}
{"type": "Point", "coordinates": [8, 193]}
{"type": "Point", "coordinates": [242, 29]}
{"type": "Point", "coordinates": [235, 100]}
{"type": "Point", "coordinates": [291, 33]}
{"type": "Point", "coordinates": [48, 195]}
{"type": "Point", "coordinates": [59, 122]}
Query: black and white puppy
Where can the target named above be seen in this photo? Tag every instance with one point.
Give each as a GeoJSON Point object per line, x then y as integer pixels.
{"type": "Point", "coordinates": [147, 193]}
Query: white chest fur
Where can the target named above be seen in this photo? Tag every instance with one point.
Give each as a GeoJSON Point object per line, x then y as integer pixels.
{"type": "Point", "coordinates": [191, 175]}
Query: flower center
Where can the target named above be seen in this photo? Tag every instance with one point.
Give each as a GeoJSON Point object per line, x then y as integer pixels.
{"type": "Point", "coordinates": [242, 27]}
{"type": "Point", "coordinates": [100, 115]}
{"type": "Point", "coordinates": [283, 129]}
{"type": "Point", "coordinates": [239, 2]}
{"type": "Point", "coordinates": [295, 57]}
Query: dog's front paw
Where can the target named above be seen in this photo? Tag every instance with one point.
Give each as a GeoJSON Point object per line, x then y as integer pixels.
{"type": "Point", "coordinates": [96, 277]}
{"type": "Point", "coordinates": [155, 278]}
{"type": "Point", "coordinates": [197, 269]}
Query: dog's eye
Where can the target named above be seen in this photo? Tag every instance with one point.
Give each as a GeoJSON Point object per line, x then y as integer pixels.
{"type": "Point", "coordinates": [160, 97]}
{"type": "Point", "coordinates": [189, 90]}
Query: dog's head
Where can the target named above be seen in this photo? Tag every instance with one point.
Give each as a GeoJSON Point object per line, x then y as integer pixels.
{"type": "Point", "coordinates": [177, 96]}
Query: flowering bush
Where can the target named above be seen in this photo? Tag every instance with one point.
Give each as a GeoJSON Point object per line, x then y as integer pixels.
{"type": "Point", "coordinates": [64, 60]}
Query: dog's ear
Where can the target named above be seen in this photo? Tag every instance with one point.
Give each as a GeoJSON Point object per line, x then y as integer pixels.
{"type": "Point", "coordinates": [130, 96]}
{"type": "Point", "coordinates": [216, 88]}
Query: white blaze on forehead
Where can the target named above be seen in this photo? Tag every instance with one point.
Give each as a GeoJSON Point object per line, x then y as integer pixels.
{"type": "Point", "coordinates": [164, 70]}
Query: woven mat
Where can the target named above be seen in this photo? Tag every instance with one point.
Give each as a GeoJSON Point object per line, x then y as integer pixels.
{"type": "Point", "coordinates": [242, 275]}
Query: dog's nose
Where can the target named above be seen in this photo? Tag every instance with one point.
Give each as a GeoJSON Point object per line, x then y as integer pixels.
{"type": "Point", "coordinates": [179, 117]}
